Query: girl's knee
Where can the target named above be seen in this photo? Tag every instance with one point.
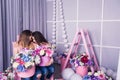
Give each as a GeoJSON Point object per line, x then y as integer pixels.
{"type": "Point", "coordinates": [44, 72]}
{"type": "Point", "coordinates": [39, 76]}
{"type": "Point", "coordinates": [52, 70]}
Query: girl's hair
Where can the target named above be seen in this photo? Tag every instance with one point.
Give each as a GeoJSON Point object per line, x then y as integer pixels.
{"type": "Point", "coordinates": [39, 38]}
{"type": "Point", "coordinates": [24, 39]}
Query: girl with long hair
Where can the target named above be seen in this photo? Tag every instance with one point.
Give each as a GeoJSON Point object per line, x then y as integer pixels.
{"type": "Point", "coordinates": [45, 69]}
{"type": "Point", "coordinates": [25, 41]}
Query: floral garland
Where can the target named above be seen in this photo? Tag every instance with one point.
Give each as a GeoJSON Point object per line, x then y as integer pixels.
{"type": "Point", "coordinates": [81, 60]}
{"type": "Point", "coordinates": [99, 75]}
{"type": "Point", "coordinates": [23, 60]}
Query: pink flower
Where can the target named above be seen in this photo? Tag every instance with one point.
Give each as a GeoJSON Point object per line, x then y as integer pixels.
{"type": "Point", "coordinates": [17, 60]}
{"type": "Point", "coordinates": [101, 76]}
{"type": "Point", "coordinates": [22, 62]}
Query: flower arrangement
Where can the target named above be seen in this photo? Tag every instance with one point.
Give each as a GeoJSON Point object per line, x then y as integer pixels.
{"type": "Point", "coordinates": [23, 60]}
{"type": "Point", "coordinates": [3, 76]}
{"type": "Point", "coordinates": [99, 75]}
{"type": "Point", "coordinates": [44, 50]}
{"type": "Point", "coordinates": [81, 60]}
{"type": "Point", "coordinates": [37, 59]}
{"type": "Point", "coordinates": [9, 74]}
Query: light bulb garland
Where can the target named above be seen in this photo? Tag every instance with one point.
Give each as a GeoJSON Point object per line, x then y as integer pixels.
{"type": "Point", "coordinates": [64, 33]}
{"type": "Point", "coordinates": [54, 26]}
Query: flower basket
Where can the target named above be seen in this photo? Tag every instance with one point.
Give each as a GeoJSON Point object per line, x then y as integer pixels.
{"type": "Point", "coordinates": [62, 60]}
{"type": "Point", "coordinates": [45, 52]}
{"type": "Point", "coordinates": [82, 70]}
{"type": "Point", "coordinates": [23, 63]}
{"type": "Point", "coordinates": [30, 72]}
{"type": "Point", "coordinates": [80, 63]}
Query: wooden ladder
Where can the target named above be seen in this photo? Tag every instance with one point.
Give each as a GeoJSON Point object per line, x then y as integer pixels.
{"type": "Point", "coordinates": [82, 35]}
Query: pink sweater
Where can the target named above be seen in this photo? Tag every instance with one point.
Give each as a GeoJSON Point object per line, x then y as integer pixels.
{"type": "Point", "coordinates": [44, 60]}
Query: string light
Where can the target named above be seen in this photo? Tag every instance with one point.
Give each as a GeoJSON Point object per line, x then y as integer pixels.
{"type": "Point", "coordinates": [54, 26]}
{"type": "Point", "coordinates": [64, 33]}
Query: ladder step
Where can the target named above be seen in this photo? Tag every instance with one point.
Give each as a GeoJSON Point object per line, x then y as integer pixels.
{"type": "Point", "coordinates": [75, 44]}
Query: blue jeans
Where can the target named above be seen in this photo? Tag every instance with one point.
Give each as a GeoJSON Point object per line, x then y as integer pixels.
{"type": "Point", "coordinates": [25, 79]}
{"type": "Point", "coordinates": [46, 71]}
{"type": "Point", "coordinates": [51, 70]}
{"type": "Point", "coordinates": [37, 71]}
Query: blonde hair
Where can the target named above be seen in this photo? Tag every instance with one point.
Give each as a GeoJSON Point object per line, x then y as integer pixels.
{"type": "Point", "coordinates": [24, 39]}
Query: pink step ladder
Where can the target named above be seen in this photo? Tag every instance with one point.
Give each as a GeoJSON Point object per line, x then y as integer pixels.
{"type": "Point", "coordinates": [82, 35]}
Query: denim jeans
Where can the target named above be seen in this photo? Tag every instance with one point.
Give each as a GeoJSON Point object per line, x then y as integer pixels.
{"type": "Point", "coordinates": [26, 79]}
{"type": "Point", "coordinates": [46, 71]}
{"type": "Point", "coordinates": [51, 70]}
{"type": "Point", "coordinates": [37, 71]}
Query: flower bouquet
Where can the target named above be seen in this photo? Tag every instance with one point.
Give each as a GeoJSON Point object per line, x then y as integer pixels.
{"type": "Point", "coordinates": [44, 50]}
{"type": "Point", "coordinates": [9, 74]}
{"type": "Point", "coordinates": [3, 76]}
{"type": "Point", "coordinates": [45, 53]}
{"type": "Point", "coordinates": [23, 63]}
{"type": "Point", "coordinates": [99, 75]}
{"type": "Point", "coordinates": [81, 60]}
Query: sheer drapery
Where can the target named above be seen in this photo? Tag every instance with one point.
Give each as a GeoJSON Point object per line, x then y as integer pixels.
{"type": "Point", "coordinates": [15, 16]}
